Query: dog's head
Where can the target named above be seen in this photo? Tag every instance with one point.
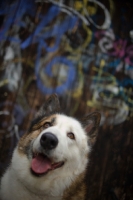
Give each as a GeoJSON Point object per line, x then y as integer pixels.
{"type": "Point", "coordinates": [55, 148]}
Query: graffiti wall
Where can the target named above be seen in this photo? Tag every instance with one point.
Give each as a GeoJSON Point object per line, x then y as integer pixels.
{"type": "Point", "coordinates": [82, 50]}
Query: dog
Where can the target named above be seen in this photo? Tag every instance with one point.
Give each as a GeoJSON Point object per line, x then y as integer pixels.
{"type": "Point", "coordinates": [50, 160]}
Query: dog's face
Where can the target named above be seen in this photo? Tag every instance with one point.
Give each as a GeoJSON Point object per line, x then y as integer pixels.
{"type": "Point", "coordinates": [55, 150]}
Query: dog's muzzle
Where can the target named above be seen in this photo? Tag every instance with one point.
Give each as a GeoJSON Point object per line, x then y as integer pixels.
{"type": "Point", "coordinates": [48, 141]}
{"type": "Point", "coordinates": [41, 162]}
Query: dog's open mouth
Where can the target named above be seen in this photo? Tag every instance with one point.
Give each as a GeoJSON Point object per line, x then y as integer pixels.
{"type": "Point", "coordinates": [41, 164]}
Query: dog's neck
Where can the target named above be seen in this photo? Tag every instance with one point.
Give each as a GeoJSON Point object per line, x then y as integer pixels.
{"type": "Point", "coordinates": [38, 196]}
{"type": "Point", "coordinates": [14, 188]}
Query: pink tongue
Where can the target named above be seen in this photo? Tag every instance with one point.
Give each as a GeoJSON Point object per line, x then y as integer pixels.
{"type": "Point", "coordinates": [40, 164]}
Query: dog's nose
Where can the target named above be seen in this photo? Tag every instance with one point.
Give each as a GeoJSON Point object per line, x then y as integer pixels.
{"type": "Point", "coordinates": [48, 141]}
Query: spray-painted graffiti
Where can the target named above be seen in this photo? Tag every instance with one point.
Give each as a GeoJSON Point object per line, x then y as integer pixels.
{"type": "Point", "coordinates": [62, 44]}
{"type": "Point", "coordinates": [42, 31]}
{"type": "Point", "coordinates": [70, 11]}
{"type": "Point", "coordinates": [117, 48]}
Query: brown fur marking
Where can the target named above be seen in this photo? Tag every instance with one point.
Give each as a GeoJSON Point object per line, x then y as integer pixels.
{"type": "Point", "coordinates": [77, 190]}
{"type": "Point", "coordinates": [36, 130]}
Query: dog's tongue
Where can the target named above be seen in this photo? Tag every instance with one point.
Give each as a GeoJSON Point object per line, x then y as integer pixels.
{"type": "Point", "coordinates": [40, 164]}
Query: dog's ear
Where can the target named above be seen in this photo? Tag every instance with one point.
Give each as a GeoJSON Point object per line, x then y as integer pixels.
{"type": "Point", "coordinates": [90, 124]}
{"type": "Point", "coordinates": [51, 106]}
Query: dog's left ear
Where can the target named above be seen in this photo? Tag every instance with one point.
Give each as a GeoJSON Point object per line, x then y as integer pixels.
{"type": "Point", "coordinates": [51, 106]}
{"type": "Point", "coordinates": [90, 124]}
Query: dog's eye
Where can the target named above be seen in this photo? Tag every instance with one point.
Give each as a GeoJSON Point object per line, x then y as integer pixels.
{"type": "Point", "coordinates": [71, 135]}
{"type": "Point", "coordinates": [46, 125]}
